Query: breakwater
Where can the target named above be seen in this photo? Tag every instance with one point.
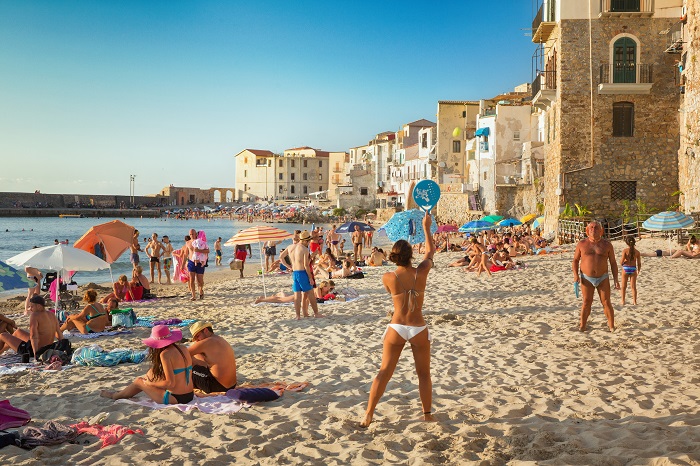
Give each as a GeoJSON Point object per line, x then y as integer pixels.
{"type": "Point", "coordinates": [85, 212]}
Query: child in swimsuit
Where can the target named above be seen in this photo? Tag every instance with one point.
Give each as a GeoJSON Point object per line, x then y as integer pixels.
{"type": "Point", "coordinates": [200, 258]}
{"type": "Point", "coordinates": [631, 262]}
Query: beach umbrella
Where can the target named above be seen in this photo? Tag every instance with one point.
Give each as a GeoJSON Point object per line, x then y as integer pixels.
{"type": "Point", "coordinates": [528, 217]}
{"type": "Point", "coordinates": [407, 225]}
{"type": "Point", "coordinates": [447, 228]}
{"type": "Point", "coordinates": [476, 226]}
{"type": "Point", "coordinates": [493, 218]}
{"type": "Point", "coordinates": [115, 238]}
{"type": "Point", "coordinates": [538, 221]}
{"type": "Point", "coordinates": [260, 235]}
{"type": "Point", "coordinates": [667, 221]}
{"type": "Point", "coordinates": [60, 258]}
{"type": "Point", "coordinates": [509, 222]}
{"type": "Point", "coordinates": [349, 227]}
{"type": "Point", "coordinates": [11, 279]}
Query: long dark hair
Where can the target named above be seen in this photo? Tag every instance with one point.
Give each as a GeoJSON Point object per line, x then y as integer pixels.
{"type": "Point", "coordinates": [631, 242]}
{"type": "Point", "coordinates": [156, 363]}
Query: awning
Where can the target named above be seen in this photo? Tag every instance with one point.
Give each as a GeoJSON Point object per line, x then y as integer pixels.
{"type": "Point", "coordinates": [482, 132]}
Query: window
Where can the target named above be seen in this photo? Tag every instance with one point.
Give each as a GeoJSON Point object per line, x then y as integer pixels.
{"type": "Point", "coordinates": [623, 119]}
{"type": "Point", "coordinates": [484, 145]}
{"type": "Point", "coordinates": [320, 188]}
{"type": "Point", "coordinates": [306, 190]}
{"type": "Point", "coordinates": [320, 164]}
{"type": "Point", "coordinates": [280, 189]}
{"type": "Point", "coordinates": [623, 190]}
{"type": "Point", "coordinates": [280, 163]}
{"type": "Point", "coordinates": [456, 146]}
{"type": "Point", "coordinates": [291, 189]}
{"type": "Point", "coordinates": [269, 162]}
{"type": "Point", "coordinates": [424, 141]}
{"type": "Point", "coordinates": [464, 114]}
{"type": "Point", "coordinates": [292, 163]}
{"type": "Point", "coordinates": [245, 188]}
{"type": "Point", "coordinates": [304, 176]}
{"type": "Point", "coordinates": [305, 161]}
{"type": "Point", "coordinates": [292, 176]}
{"type": "Point", "coordinates": [484, 176]}
{"type": "Point", "coordinates": [320, 177]}
{"type": "Point", "coordinates": [516, 135]}
{"type": "Point", "coordinates": [280, 176]}
{"type": "Point", "coordinates": [624, 5]}
{"type": "Point", "coordinates": [363, 191]}
{"type": "Point", "coordinates": [245, 173]}
{"type": "Point", "coordinates": [245, 160]}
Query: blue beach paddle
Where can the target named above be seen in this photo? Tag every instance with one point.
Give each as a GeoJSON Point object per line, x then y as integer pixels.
{"type": "Point", "coordinates": [426, 194]}
{"type": "Point", "coordinates": [577, 288]}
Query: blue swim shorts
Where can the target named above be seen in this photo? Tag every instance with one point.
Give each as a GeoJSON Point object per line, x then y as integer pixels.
{"type": "Point", "coordinates": [192, 267]}
{"type": "Point", "coordinates": [300, 281]}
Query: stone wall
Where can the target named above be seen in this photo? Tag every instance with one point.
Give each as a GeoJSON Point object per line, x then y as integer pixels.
{"type": "Point", "coordinates": [689, 152]}
{"type": "Point", "coordinates": [455, 206]}
{"type": "Point", "coordinates": [41, 200]}
{"type": "Point", "coordinates": [648, 158]}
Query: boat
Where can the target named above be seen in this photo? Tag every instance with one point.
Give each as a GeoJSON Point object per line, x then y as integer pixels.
{"type": "Point", "coordinates": [70, 215]}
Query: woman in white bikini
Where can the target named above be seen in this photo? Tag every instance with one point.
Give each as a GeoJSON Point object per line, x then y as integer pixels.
{"type": "Point", "coordinates": [406, 286]}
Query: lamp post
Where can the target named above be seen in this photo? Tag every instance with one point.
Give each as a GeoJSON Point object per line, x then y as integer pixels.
{"type": "Point", "coordinates": [132, 186]}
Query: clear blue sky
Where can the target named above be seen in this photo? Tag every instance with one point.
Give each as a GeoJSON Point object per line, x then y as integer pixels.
{"type": "Point", "coordinates": [94, 91]}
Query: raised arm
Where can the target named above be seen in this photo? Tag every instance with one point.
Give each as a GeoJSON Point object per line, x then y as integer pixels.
{"type": "Point", "coordinates": [429, 241]}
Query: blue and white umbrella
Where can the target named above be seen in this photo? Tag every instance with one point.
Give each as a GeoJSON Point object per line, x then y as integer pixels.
{"type": "Point", "coordinates": [407, 225]}
{"type": "Point", "coordinates": [538, 221]}
{"type": "Point", "coordinates": [509, 222]}
{"type": "Point", "coordinates": [349, 227]}
{"type": "Point", "coordinates": [476, 226]}
{"type": "Point", "coordinates": [665, 221]}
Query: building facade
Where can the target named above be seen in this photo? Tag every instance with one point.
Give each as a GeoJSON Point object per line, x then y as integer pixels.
{"type": "Point", "coordinates": [610, 103]}
{"type": "Point", "coordinates": [456, 124]}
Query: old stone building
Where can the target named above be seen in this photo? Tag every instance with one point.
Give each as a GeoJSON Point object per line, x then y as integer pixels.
{"type": "Point", "coordinates": [684, 43]}
{"type": "Point", "coordinates": [609, 98]}
{"type": "Point", "coordinates": [456, 123]}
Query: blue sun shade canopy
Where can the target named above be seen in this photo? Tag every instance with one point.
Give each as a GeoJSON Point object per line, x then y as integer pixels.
{"type": "Point", "coordinates": [482, 132]}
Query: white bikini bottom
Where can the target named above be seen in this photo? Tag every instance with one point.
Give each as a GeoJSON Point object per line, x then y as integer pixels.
{"type": "Point", "coordinates": [406, 331]}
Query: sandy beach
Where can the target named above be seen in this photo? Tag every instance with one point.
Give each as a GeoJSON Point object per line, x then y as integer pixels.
{"type": "Point", "coordinates": [515, 382]}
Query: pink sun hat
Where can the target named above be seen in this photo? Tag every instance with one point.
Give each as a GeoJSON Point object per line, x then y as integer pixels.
{"type": "Point", "coordinates": [162, 336]}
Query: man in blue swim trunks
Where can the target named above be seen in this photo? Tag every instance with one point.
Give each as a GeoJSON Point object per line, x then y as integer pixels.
{"type": "Point", "coordinates": [303, 281]}
{"type": "Point", "coordinates": [592, 255]}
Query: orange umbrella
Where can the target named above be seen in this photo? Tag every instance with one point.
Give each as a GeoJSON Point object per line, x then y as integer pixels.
{"type": "Point", "coordinates": [116, 237]}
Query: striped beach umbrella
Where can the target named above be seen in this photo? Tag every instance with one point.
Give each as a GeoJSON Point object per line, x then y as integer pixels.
{"type": "Point", "coordinates": [538, 221]}
{"type": "Point", "coordinates": [259, 234]}
{"type": "Point", "coordinates": [665, 221]}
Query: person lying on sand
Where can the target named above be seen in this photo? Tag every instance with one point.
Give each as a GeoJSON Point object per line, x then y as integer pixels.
{"type": "Point", "coordinates": [169, 380]}
{"type": "Point", "coordinates": [93, 318]}
{"type": "Point", "coordinates": [213, 359]}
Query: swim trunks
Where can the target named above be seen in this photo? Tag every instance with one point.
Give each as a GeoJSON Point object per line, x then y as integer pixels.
{"type": "Point", "coordinates": [205, 381]}
{"type": "Point", "coordinates": [218, 253]}
{"type": "Point", "coordinates": [192, 267]}
{"type": "Point", "coordinates": [26, 348]}
{"type": "Point", "coordinates": [167, 262]}
{"type": "Point", "coordinates": [135, 258]}
{"type": "Point", "coordinates": [659, 253]}
{"type": "Point", "coordinates": [271, 250]}
{"type": "Point", "coordinates": [155, 259]}
{"type": "Point", "coordinates": [300, 281]}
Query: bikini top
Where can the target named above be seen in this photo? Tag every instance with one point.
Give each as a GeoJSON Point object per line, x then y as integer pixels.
{"type": "Point", "coordinates": [412, 294]}
{"type": "Point", "coordinates": [187, 370]}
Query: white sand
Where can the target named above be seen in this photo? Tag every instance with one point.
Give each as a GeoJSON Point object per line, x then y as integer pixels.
{"type": "Point", "coordinates": [514, 380]}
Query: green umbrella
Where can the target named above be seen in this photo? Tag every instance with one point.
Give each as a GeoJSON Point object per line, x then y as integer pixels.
{"type": "Point", "coordinates": [493, 218]}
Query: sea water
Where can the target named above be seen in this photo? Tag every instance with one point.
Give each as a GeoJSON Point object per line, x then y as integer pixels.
{"type": "Point", "coordinates": [19, 234]}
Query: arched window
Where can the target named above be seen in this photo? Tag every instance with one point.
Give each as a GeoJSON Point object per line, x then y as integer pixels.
{"type": "Point", "coordinates": [623, 119]}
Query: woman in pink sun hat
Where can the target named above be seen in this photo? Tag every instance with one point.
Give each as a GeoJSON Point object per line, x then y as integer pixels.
{"type": "Point", "coordinates": [169, 381]}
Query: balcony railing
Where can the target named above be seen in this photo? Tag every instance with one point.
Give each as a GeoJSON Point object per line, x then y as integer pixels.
{"type": "Point", "coordinates": [626, 7]}
{"type": "Point", "coordinates": [619, 73]}
{"type": "Point", "coordinates": [543, 24]}
{"type": "Point", "coordinates": [675, 38]}
{"type": "Point", "coordinates": [545, 80]}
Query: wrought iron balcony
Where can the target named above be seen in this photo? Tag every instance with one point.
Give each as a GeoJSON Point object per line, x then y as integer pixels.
{"type": "Point", "coordinates": [544, 88]}
{"type": "Point", "coordinates": [543, 24]}
{"type": "Point", "coordinates": [626, 8]}
{"type": "Point", "coordinates": [623, 78]}
{"type": "Point", "coordinates": [675, 38]}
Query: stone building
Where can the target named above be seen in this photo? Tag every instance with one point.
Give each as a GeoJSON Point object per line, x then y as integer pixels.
{"type": "Point", "coordinates": [453, 115]}
{"type": "Point", "coordinates": [684, 44]}
{"type": "Point", "coordinates": [610, 104]}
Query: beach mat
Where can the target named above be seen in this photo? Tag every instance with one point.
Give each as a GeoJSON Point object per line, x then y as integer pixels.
{"type": "Point", "coordinates": [89, 336]}
{"type": "Point", "coordinates": [211, 404]}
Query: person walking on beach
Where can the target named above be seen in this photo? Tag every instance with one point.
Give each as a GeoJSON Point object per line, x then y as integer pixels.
{"type": "Point", "coordinates": [592, 255]}
{"type": "Point", "coordinates": [154, 250]}
{"type": "Point", "coordinates": [135, 248]}
{"type": "Point", "coordinates": [195, 267]}
{"type": "Point", "coordinates": [406, 285]}
{"type": "Point", "coordinates": [217, 250]}
{"type": "Point", "coordinates": [167, 257]}
{"type": "Point", "coordinates": [357, 240]}
{"type": "Point", "coordinates": [631, 262]}
{"type": "Point", "coordinates": [302, 277]}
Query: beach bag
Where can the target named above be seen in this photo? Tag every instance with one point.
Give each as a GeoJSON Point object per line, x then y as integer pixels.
{"type": "Point", "coordinates": [252, 395]}
{"type": "Point", "coordinates": [11, 416]}
{"type": "Point", "coordinates": [48, 354]}
{"type": "Point", "coordinates": [123, 317]}
{"type": "Point", "coordinates": [237, 264]}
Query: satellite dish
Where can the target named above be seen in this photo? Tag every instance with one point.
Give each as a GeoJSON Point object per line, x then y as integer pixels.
{"type": "Point", "coordinates": [442, 164]}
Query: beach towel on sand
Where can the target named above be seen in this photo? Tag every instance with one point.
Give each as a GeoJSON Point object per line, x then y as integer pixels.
{"type": "Point", "coordinates": [95, 356]}
{"type": "Point", "coordinates": [325, 303]}
{"type": "Point", "coordinates": [11, 416]}
{"type": "Point", "coordinates": [89, 336]}
{"type": "Point", "coordinates": [110, 435]}
{"type": "Point", "coordinates": [220, 404]}
{"type": "Point", "coordinates": [51, 433]}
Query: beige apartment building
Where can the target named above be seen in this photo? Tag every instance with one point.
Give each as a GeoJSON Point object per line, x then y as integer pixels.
{"type": "Point", "coordinates": [450, 152]}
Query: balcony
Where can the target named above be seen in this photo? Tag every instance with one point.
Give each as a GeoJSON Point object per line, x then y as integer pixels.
{"type": "Point", "coordinates": [675, 38]}
{"type": "Point", "coordinates": [543, 24]}
{"type": "Point", "coordinates": [621, 78]}
{"type": "Point", "coordinates": [337, 169]}
{"type": "Point", "coordinates": [626, 8]}
{"type": "Point", "coordinates": [544, 89]}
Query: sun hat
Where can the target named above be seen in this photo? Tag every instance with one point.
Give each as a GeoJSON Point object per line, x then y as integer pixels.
{"type": "Point", "coordinates": [304, 235]}
{"type": "Point", "coordinates": [199, 326]}
{"type": "Point", "coordinates": [37, 299]}
{"type": "Point", "coordinates": [162, 336]}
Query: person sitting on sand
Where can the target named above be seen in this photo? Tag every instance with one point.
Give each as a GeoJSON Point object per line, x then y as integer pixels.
{"type": "Point", "coordinates": [7, 325]}
{"type": "Point", "coordinates": [213, 359]}
{"type": "Point", "coordinates": [321, 292]}
{"type": "Point", "coordinates": [120, 288]}
{"type": "Point", "coordinates": [593, 255]}
{"type": "Point", "coordinates": [500, 260]}
{"type": "Point", "coordinates": [42, 335]}
{"type": "Point", "coordinates": [472, 250]}
{"type": "Point", "coordinates": [406, 285]}
{"type": "Point", "coordinates": [169, 380]}
{"type": "Point", "coordinates": [93, 318]}
{"type": "Point", "coordinates": [376, 258]}
{"type": "Point", "coordinates": [691, 251]}
{"type": "Point", "coordinates": [347, 270]}
{"type": "Point", "coordinates": [139, 279]}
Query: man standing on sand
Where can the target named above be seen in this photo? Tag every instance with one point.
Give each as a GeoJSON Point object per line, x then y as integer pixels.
{"type": "Point", "coordinates": [217, 250]}
{"type": "Point", "coordinates": [195, 267]}
{"type": "Point", "coordinates": [213, 360]}
{"type": "Point", "coordinates": [593, 254]}
{"type": "Point", "coordinates": [154, 250]}
{"type": "Point", "coordinates": [135, 248]}
{"type": "Point", "coordinates": [302, 277]}
{"type": "Point", "coordinates": [334, 239]}
{"type": "Point", "coordinates": [43, 328]}
{"type": "Point", "coordinates": [167, 257]}
{"type": "Point", "coordinates": [358, 238]}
